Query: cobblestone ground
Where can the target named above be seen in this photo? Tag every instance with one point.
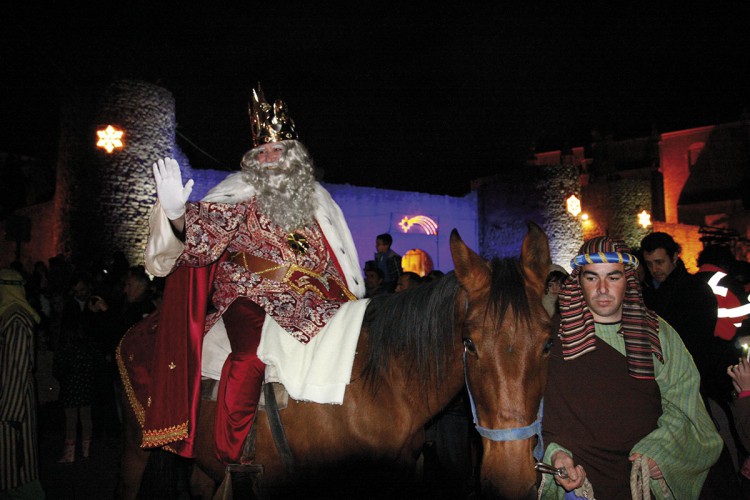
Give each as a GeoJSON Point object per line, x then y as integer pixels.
{"type": "Point", "coordinates": [96, 477]}
{"type": "Point", "coordinates": [84, 479]}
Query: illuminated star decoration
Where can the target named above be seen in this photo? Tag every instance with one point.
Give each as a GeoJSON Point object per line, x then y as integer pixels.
{"type": "Point", "coordinates": [426, 223]}
{"type": "Point", "coordinates": [109, 138]}
{"type": "Point", "coordinates": [574, 205]}
{"type": "Point", "coordinates": [644, 219]}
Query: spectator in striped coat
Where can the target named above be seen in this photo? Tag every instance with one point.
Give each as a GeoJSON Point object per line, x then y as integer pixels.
{"type": "Point", "coordinates": [19, 471]}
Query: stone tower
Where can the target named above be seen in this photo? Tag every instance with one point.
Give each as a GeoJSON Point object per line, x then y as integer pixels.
{"type": "Point", "coordinates": [106, 197]}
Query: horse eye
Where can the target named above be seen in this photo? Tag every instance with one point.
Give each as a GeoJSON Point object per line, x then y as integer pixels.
{"type": "Point", "coordinates": [469, 345]}
{"type": "Point", "coordinates": [548, 345]}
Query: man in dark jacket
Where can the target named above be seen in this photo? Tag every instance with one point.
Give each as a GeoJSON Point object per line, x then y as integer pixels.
{"type": "Point", "coordinates": [684, 301]}
{"type": "Point", "coordinates": [387, 261]}
{"type": "Point", "coordinates": [688, 304]}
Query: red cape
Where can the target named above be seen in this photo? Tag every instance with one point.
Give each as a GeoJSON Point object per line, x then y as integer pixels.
{"type": "Point", "coordinates": [160, 362]}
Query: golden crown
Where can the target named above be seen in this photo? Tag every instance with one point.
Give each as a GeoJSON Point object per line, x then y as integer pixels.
{"type": "Point", "coordinates": [270, 123]}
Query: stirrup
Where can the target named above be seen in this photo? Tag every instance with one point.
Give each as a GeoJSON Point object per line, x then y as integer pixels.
{"type": "Point", "coordinates": [241, 480]}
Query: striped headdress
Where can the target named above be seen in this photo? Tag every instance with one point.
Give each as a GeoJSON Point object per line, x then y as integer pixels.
{"type": "Point", "coordinates": [13, 294]}
{"type": "Point", "coordinates": [640, 326]}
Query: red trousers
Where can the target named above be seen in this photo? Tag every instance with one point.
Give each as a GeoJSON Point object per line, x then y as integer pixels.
{"type": "Point", "coordinates": [241, 379]}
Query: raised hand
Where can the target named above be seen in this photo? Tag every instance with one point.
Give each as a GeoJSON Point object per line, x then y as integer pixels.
{"type": "Point", "coordinates": [740, 375]}
{"type": "Point", "coordinates": [172, 194]}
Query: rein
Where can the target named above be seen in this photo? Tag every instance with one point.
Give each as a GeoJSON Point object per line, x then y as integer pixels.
{"type": "Point", "coordinates": [514, 434]}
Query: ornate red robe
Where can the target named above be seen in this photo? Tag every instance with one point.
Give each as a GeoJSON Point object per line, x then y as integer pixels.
{"type": "Point", "coordinates": [160, 359]}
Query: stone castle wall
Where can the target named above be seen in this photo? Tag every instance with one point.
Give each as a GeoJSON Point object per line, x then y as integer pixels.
{"type": "Point", "coordinates": [507, 202]}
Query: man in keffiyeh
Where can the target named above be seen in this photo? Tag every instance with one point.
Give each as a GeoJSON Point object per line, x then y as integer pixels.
{"type": "Point", "coordinates": [621, 387]}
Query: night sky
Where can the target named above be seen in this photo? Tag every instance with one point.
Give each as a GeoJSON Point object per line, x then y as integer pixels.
{"type": "Point", "coordinates": [390, 96]}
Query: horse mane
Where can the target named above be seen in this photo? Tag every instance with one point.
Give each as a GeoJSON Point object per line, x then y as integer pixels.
{"type": "Point", "coordinates": [417, 325]}
{"type": "Point", "coordinates": [508, 292]}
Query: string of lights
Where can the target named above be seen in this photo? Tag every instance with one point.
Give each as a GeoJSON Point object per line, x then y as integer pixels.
{"type": "Point", "coordinates": [201, 150]}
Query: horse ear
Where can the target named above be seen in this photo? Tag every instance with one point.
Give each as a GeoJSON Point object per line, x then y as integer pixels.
{"type": "Point", "coordinates": [471, 270]}
{"type": "Point", "coordinates": [535, 257]}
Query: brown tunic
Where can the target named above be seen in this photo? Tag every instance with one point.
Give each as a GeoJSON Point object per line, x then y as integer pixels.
{"type": "Point", "coordinates": [593, 408]}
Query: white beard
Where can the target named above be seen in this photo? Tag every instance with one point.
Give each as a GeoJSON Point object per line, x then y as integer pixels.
{"type": "Point", "coordinates": [286, 198]}
{"type": "Point", "coordinates": [284, 208]}
{"type": "Point", "coordinates": [288, 202]}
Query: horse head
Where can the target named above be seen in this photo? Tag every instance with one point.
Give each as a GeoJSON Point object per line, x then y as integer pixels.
{"type": "Point", "coordinates": [506, 335]}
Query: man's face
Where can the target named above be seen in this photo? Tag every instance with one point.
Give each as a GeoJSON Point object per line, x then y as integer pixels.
{"type": "Point", "coordinates": [660, 265]}
{"type": "Point", "coordinates": [271, 165]}
{"type": "Point", "coordinates": [553, 287]}
{"type": "Point", "coordinates": [81, 291]}
{"type": "Point", "coordinates": [603, 288]}
{"type": "Point", "coordinates": [133, 289]}
{"type": "Point", "coordinates": [372, 280]}
{"type": "Point", "coordinates": [270, 153]}
{"type": "Point", "coordinates": [380, 246]}
{"type": "Point", "coordinates": [403, 283]}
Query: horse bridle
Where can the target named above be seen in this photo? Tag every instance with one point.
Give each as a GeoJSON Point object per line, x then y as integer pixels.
{"type": "Point", "coordinates": [514, 434]}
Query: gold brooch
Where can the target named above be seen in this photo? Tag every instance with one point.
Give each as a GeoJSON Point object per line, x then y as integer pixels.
{"type": "Point", "coordinates": [297, 242]}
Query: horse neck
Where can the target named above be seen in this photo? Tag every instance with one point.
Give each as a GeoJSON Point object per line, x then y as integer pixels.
{"type": "Point", "coordinates": [438, 397]}
{"type": "Point", "coordinates": [410, 340]}
{"type": "Point", "coordinates": [428, 398]}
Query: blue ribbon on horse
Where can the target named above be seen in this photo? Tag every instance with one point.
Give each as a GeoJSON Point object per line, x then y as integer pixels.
{"type": "Point", "coordinates": [515, 434]}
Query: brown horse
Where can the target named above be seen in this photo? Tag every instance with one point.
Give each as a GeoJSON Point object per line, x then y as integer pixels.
{"type": "Point", "coordinates": [482, 325]}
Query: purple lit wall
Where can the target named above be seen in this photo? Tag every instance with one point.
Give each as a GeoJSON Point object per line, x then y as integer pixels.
{"type": "Point", "coordinates": [371, 211]}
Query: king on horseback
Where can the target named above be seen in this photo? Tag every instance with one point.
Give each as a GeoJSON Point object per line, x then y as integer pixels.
{"type": "Point", "coordinates": [266, 248]}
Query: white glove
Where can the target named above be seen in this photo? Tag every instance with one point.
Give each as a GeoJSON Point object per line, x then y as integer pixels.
{"type": "Point", "coordinates": [172, 194]}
